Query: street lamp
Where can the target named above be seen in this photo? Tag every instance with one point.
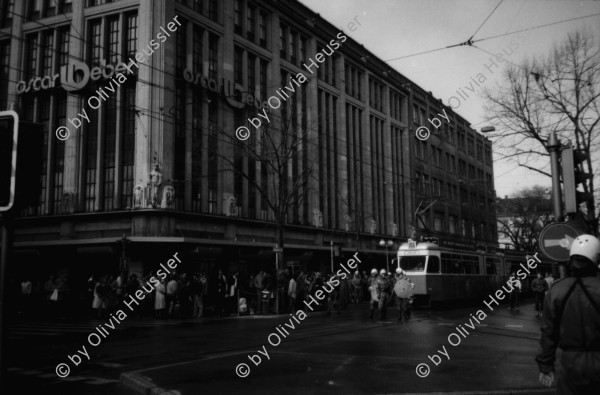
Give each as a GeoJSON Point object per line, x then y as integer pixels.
{"type": "Point", "coordinates": [386, 244]}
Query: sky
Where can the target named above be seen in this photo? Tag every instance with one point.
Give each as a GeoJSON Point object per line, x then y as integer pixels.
{"type": "Point", "coordinates": [397, 28]}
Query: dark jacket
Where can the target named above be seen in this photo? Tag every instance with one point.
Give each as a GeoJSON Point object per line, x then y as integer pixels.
{"type": "Point", "coordinates": [539, 285]}
{"type": "Point", "coordinates": [577, 332]}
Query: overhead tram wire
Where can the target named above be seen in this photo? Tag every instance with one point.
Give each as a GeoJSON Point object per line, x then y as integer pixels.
{"type": "Point", "coordinates": [486, 19]}
{"type": "Point", "coordinates": [470, 42]}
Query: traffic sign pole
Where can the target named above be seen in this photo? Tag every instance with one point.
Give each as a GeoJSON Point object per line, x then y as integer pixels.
{"type": "Point", "coordinates": [554, 148]}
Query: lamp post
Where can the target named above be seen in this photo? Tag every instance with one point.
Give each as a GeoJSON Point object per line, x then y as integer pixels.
{"type": "Point", "coordinates": [386, 244]}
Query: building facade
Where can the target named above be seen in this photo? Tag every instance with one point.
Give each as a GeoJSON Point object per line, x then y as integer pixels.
{"type": "Point", "coordinates": [152, 152]}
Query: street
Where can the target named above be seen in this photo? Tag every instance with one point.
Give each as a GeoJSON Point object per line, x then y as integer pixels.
{"type": "Point", "coordinates": [346, 353]}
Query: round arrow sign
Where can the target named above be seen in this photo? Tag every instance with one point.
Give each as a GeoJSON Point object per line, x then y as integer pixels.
{"type": "Point", "coordinates": [556, 239]}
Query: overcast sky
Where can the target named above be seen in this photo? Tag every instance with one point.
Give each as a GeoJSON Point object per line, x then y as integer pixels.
{"type": "Point", "coordinates": [396, 28]}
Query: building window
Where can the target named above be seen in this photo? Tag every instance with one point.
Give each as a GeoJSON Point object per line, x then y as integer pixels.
{"type": "Point", "coordinates": [31, 57]}
{"type": "Point", "coordinates": [250, 23]}
{"type": "Point", "coordinates": [59, 155]}
{"type": "Point", "coordinates": [114, 52]}
{"type": "Point", "coordinates": [65, 6]}
{"type": "Point", "coordinates": [213, 55]}
{"type": "Point", "coordinates": [49, 8]}
{"type": "Point", "coordinates": [35, 10]}
{"type": "Point", "coordinates": [7, 8]}
{"type": "Point", "coordinates": [396, 106]}
{"type": "Point", "coordinates": [452, 220]}
{"type": "Point", "coordinates": [109, 162]}
{"type": "Point", "coordinates": [438, 220]}
{"type": "Point", "coordinates": [262, 29]}
{"type": "Point", "coordinates": [128, 148]}
{"type": "Point", "coordinates": [132, 35]}
{"type": "Point", "coordinates": [47, 52]}
{"type": "Point", "coordinates": [237, 16]}
{"type": "Point", "coordinates": [213, 10]}
{"type": "Point", "coordinates": [251, 85]}
{"type": "Point", "coordinates": [263, 79]}
{"type": "Point", "coordinates": [93, 3]}
{"type": "Point", "coordinates": [63, 47]}
{"type": "Point", "coordinates": [293, 47]}
{"type": "Point", "coordinates": [283, 41]}
{"type": "Point", "coordinates": [302, 46]}
{"type": "Point", "coordinates": [197, 6]}
{"type": "Point", "coordinates": [238, 64]}
{"type": "Point", "coordinates": [96, 47]}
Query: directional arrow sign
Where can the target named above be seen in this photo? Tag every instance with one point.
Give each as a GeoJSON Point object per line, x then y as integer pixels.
{"type": "Point", "coordinates": [556, 239]}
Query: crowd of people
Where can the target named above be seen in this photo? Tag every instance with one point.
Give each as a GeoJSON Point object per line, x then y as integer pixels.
{"type": "Point", "coordinates": [193, 295]}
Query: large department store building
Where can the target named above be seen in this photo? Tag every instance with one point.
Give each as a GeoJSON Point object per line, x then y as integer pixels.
{"type": "Point", "coordinates": [152, 164]}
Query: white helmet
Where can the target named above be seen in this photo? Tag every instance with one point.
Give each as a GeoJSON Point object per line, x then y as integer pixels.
{"type": "Point", "coordinates": [587, 246]}
{"type": "Point", "coordinates": [398, 270]}
{"type": "Point", "coordinates": [373, 271]}
{"type": "Point", "coordinates": [382, 272]}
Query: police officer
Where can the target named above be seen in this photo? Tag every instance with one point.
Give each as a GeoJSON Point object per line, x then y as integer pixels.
{"type": "Point", "coordinates": [383, 293]}
{"type": "Point", "coordinates": [571, 321]}
{"type": "Point", "coordinates": [372, 283]}
{"type": "Point", "coordinates": [403, 290]}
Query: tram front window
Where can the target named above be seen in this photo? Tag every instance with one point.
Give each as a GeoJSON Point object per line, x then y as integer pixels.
{"type": "Point", "coordinates": [413, 263]}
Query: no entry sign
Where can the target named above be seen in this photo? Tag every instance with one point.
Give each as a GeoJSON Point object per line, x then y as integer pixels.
{"type": "Point", "coordinates": [556, 239]}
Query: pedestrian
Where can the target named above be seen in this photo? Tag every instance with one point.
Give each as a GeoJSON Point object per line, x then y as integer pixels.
{"type": "Point", "coordinates": [233, 294]}
{"type": "Point", "coordinates": [101, 291]}
{"type": "Point", "coordinates": [334, 298]}
{"type": "Point", "coordinates": [539, 286]}
{"type": "Point", "coordinates": [196, 290]}
{"type": "Point", "coordinates": [572, 322]}
{"type": "Point", "coordinates": [356, 288]}
{"type": "Point", "coordinates": [170, 297]}
{"type": "Point", "coordinates": [404, 291]}
{"type": "Point", "coordinates": [292, 293]}
{"type": "Point", "coordinates": [549, 279]}
{"type": "Point", "coordinates": [221, 293]}
{"type": "Point", "coordinates": [159, 299]}
{"type": "Point", "coordinates": [383, 293]}
{"type": "Point", "coordinates": [514, 295]}
{"type": "Point", "coordinates": [26, 288]}
{"type": "Point", "coordinates": [258, 286]}
{"type": "Point", "coordinates": [372, 287]}
{"type": "Point", "coordinates": [184, 296]}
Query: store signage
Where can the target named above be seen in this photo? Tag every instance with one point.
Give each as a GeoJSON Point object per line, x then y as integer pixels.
{"type": "Point", "coordinates": [234, 93]}
{"type": "Point", "coordinates": [73, 76]}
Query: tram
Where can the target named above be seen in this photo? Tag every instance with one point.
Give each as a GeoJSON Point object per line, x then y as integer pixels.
{"type": "Point", "coordinates": [443, 274]}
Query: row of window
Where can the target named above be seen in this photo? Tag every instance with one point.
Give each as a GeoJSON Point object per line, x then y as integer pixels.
{"type": "Point", "coordinates": [208, 8]}
{"type": "Point", "coordinates": [251, 22]}
{"type": "Point", "coordinates": [455, 264]}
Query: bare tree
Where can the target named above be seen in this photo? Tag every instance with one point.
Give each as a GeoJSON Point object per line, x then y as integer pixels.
{"type": "Point", "coordinates": [559, 93]}
{"type": "Point", "coordinates": [276, 149]}
{"type": "Point", "coordinates": [522, 217]}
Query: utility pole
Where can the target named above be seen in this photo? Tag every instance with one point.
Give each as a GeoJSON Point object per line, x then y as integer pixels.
{"type": "Point", "coordinates": [554, 149]}
{"type": "Point", "coordinates": [3, 263]}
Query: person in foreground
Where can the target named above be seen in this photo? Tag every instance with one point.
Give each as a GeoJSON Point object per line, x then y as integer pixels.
{"type": "Point", "coordinates": [571, 322]}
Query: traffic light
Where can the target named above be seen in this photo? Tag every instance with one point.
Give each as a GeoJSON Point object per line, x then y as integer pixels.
{"type": "Point", "coordinates": [573, 176]}
{"type": "Point", "coordinates": [9, 129]}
